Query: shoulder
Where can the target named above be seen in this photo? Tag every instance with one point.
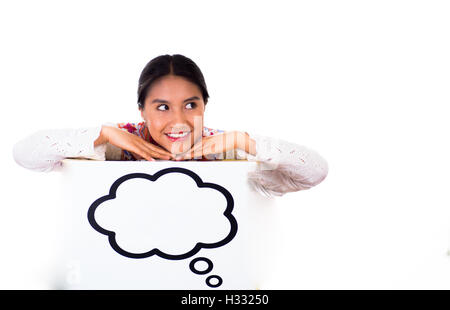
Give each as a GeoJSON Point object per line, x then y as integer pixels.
{"type": "Point", "coordinates": [130, 127]}
{"type": "Point", "coordinates": [134, 128]}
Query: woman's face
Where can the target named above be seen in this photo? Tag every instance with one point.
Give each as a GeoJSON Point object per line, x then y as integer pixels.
{"type": "Point", "coordinates": [173, 110]}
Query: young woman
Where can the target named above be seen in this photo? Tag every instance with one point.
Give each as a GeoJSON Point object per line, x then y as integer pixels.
{"type": "Point", "coordinates": [172, 97]}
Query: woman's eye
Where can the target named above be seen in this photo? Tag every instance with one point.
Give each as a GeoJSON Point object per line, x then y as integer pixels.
{"type": "Point", "coordinates": [193, 104]}
{"type": "Point", "coordinates": [162, 105]}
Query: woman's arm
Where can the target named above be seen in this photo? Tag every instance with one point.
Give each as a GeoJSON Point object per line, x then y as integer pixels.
{"type": "Point", "coordinates": [102, 138]}
{"type": "Point", "coordinates": [283, 166]}
{"type": "Point", "coordinates": [45, 149]}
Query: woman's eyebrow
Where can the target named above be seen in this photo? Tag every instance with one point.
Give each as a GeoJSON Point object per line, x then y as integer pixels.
{"type": "Point", "coordinates": [165, 101]}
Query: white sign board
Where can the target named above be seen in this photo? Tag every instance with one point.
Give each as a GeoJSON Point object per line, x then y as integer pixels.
{"type": "Point", "coordinates": [163, 225]}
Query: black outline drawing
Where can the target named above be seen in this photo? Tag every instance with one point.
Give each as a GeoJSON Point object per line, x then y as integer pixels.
{"type": "Point", "coordinates": [203, 259]}
{"type": "Point", "coordinates": [112, 195]}
{"type": "Point", "coordinates": [219, 281]}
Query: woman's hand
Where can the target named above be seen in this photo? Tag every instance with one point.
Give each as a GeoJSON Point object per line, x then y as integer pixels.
{"type": "Point", "coordinates": [220, 143]}
{"type": "Point", "coordinates": [140, 148]}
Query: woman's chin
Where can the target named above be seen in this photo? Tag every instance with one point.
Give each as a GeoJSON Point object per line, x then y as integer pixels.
{"type": "Point", "coordinates": [177, 148]}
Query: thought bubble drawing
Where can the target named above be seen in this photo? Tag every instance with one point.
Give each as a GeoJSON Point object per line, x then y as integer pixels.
{"type": "Point", "coordinates": [177, 215]}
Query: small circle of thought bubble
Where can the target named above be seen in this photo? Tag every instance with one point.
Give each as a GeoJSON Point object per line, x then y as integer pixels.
{"type": "Point", "coordinates": [112, 235]}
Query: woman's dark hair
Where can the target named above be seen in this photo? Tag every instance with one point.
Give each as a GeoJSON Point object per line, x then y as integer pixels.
{"type": "Point", "coordinates": [170, 64]}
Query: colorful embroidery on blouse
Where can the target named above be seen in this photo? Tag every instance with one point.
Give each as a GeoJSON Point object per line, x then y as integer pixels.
{"type": "Point", "coordinates": [141, 131]}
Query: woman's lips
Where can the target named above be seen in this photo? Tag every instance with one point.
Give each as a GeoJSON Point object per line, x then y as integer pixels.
{"type": "Point", "coordinates": [179, 138]}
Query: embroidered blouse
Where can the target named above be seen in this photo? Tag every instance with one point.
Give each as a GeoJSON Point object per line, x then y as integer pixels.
{"type": "Point", "coordinates": [282, 166]}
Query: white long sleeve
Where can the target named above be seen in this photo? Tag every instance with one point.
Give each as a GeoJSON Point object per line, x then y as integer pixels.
{"type": "Point", "coordinates": [284, 167]}
{"type": "Point", "coordinates": [44, 150]}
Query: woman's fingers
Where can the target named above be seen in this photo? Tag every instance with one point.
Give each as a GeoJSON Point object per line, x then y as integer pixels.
{"type": "Point", "coordinates": [139, 157]}
{"type": "Point", "coordinates": [206, 146]}
{"type": "Point", "coordinates": [132, 143]}
{"type": "Point", "coordinates": [140, 148]}
{"type": "Point", "coordinates": [156, 151]}
{"type": "Point", "coordinates": [209, 145]}
{"type": "Point", "coordinates": [195, 152]}
{"type": "Point", "coordinates": [142, 154]}
{"type": "Point", "coordinates": [147, 152]}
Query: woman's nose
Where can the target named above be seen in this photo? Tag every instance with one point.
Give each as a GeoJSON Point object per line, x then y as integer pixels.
{"type": "Point", "coordinates": [179, 121]}
{"type": "Point", "coordinates": [179, 117]}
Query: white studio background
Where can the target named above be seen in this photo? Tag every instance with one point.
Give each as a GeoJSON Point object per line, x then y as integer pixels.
{"type": "Point", "coordinates": [365, 83]}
